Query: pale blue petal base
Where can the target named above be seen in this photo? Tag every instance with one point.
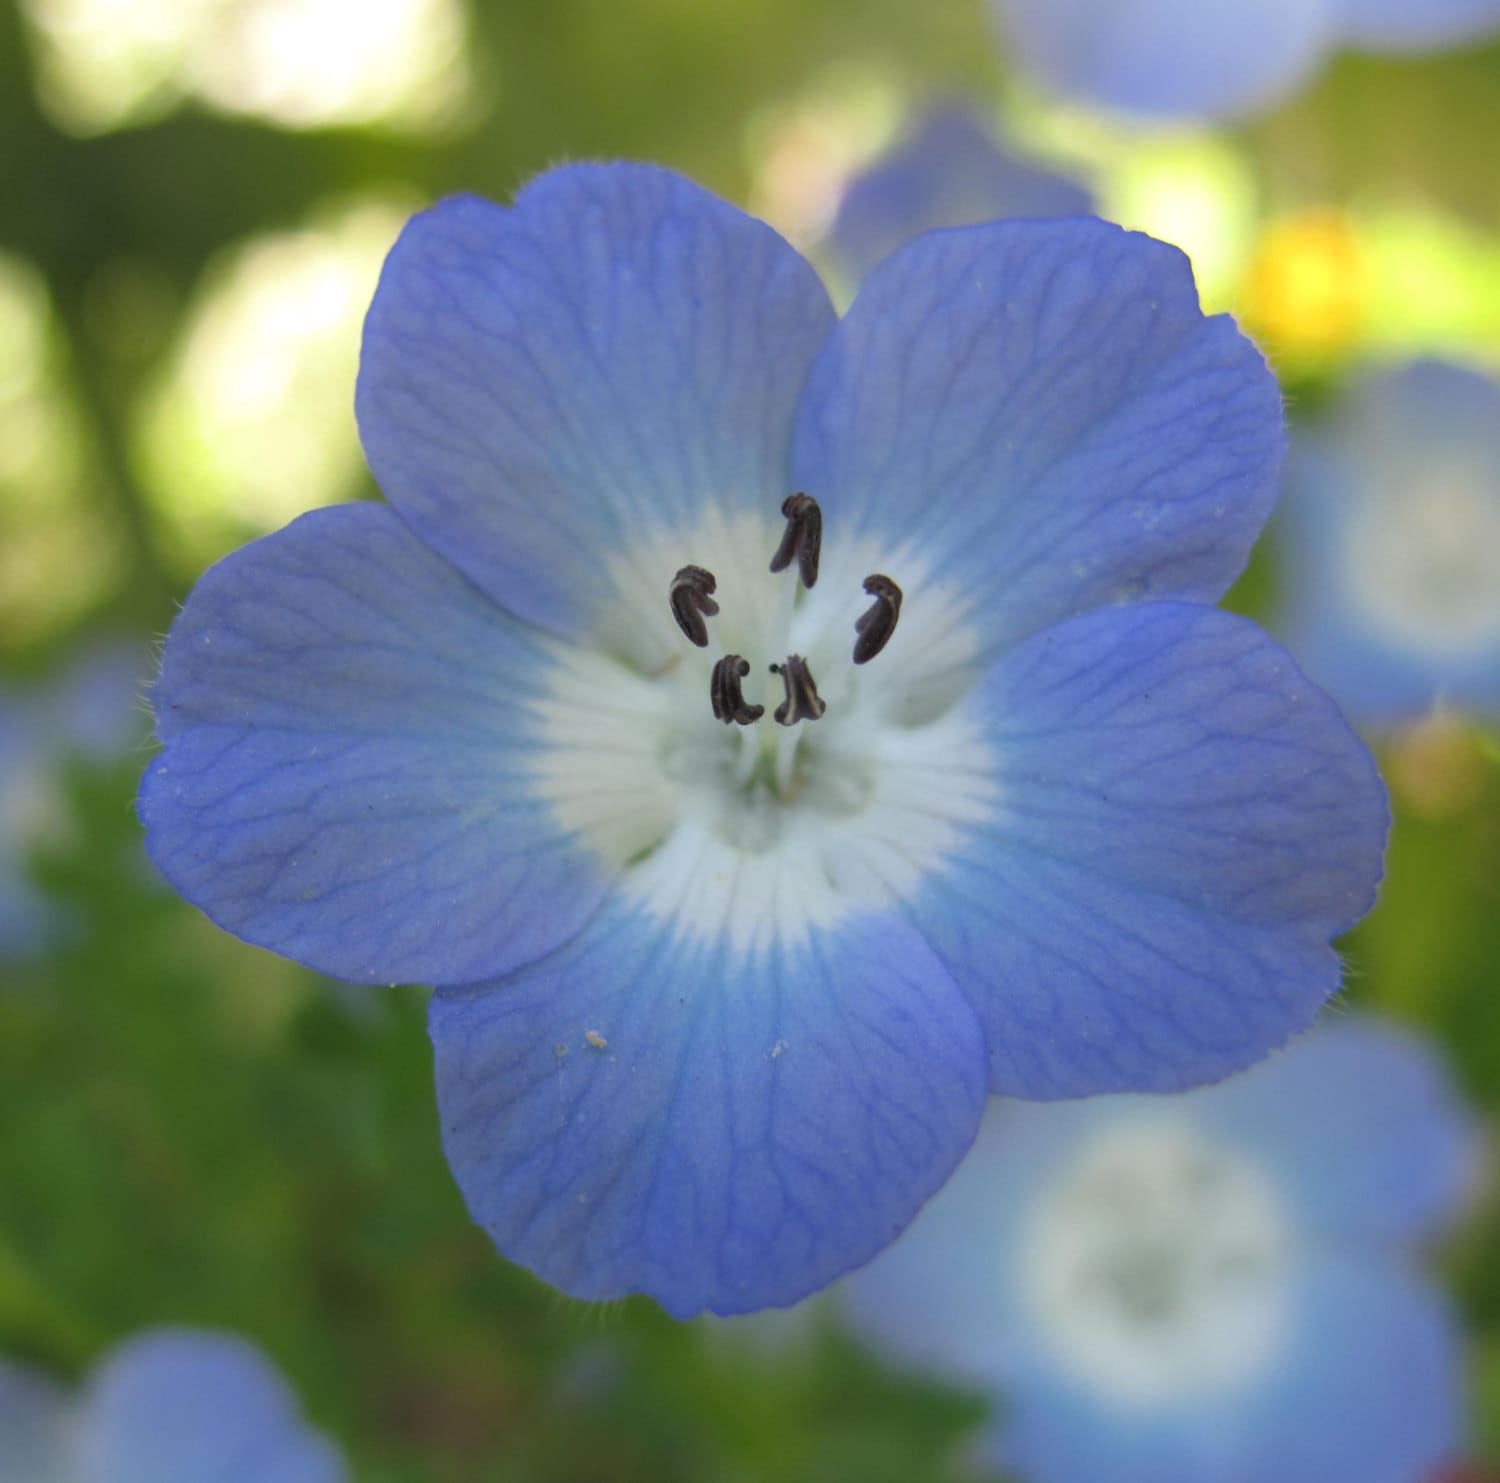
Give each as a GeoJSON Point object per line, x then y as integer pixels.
{"type": "Point", "coordinates": [739, 1130]}
{"type": "Point", "coordinates": [616, 352]}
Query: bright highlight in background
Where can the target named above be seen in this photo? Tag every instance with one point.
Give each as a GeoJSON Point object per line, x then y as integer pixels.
{"type": "Point", "coordinates": [253, 422]}
{"type": "Point", "coordinates": [52, 563]}
{"type": "Point", "coordinates": [299, 63]}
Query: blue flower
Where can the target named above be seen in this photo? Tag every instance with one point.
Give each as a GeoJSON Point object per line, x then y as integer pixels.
{"type": "Point", "coordinates": [90, 711]}
{"type": "Point", "coordinates": [1191, 59]}
{"type": "Point", "coordinates": [169, 1406]}
{"type": "Point", "coordinates": [1391, 527]}
{"type": "Point", "coordinates": [29, 807]}
{"type": "Point", "coordinates": [731, 932]}
{"type": "Point", "coordinates": [946, 172]}
{"type": "Point", "coordinates": [1213, 1286]}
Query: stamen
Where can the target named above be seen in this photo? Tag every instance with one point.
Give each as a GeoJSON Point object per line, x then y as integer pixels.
{"type": "Point", "coordinates": [803, 537]}
{"type": "Point", "coordinates": [691, 602]}
{"type": "Point", "coordinates": [878, 623]}
{"type": "Point", "coordinates": [802, 703]}
{"type": "Point", "coordinates": [724, 692]}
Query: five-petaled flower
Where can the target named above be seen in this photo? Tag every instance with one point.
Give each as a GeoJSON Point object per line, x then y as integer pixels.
{"type": "Point", "coordinates": [1391, 529]}
{"type": "Point", "coordinates": [168, 1406]}
{"type": "Point", "coordinates": [1219, 1285]}
{"type": "Point", "coordinates": [732, 933]}
{"type": "Point", "coordinates": [1195, 59]}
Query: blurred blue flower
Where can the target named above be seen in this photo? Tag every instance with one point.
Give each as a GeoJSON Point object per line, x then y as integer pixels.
{"type": "Point", "coordinates": [1212, 1288]}
{"type": "Point", "coordinates": [720, 999]}
{"type": "Point", "coordinates": [1391, 536]}
{"type": "Point", "coordinates": [169, 1406]}
{"type": "Point", "coordinates": [29, 806]}
{"type": "Point", "coordinates": [90, 710]}
{"type": "Point", "coordinates": [947, 171]}
{"type": "Point", "coordinates": [1191, 59]}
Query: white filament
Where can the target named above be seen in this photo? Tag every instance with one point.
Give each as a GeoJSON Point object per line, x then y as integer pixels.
{"type": "Point", "coordinates": [762, 833]}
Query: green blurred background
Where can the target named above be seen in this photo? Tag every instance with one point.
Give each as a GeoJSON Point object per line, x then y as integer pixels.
{"type": "Point", "coordinates": [196, 198]}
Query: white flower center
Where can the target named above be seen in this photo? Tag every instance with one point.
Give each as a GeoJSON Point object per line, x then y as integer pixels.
{"type": "Point", "coordinates": [1155, 1265]}
{"type": "Point", "coordinates": [762, 832]}
{"type": "Point", "coordinates": [1422, 564]}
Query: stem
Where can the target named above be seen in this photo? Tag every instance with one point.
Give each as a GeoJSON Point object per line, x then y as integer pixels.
{"type": "Point", "coordinates": [148, 581]}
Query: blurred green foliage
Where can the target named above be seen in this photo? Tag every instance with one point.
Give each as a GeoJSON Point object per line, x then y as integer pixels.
{"type": "Point", "coordinates": [195, 1131]}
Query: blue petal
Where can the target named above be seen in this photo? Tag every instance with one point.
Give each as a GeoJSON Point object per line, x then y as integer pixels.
{"type": "Point", "coordinates": [1183, 823]}
{"type": "Point", "coordinates": [640, 1114]}
{"type": "Point", "coordinates": [943, 1297]}
{"type": "Point", "coordinates": [1044, 412]}
{"type": "Point", "coordinates": [948, 172]}
{"type": "Point", "coordinates": [345, 774]}
{"type": "Point", "coordinates": [1364, 1127]}
{"type": "Point", "coordinates": [1182, 58]}
{"type": "Point", "coordinates": [1416, 25]}
{"type": "Point", "coordinates": [1367, 1390]}
{"type": "Point", "coordinates": [177, 1406]}
{"type": "Point", "coordinates": [34, 1419]}
{"type": "Point", "coordinates": [620, 350]}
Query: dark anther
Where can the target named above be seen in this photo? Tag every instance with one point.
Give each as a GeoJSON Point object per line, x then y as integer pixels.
{"type": "Point", "coordinates": [802, 703]}
{"type": "Point", "coordinates": [803, 537]}
{"type": "Point", "coordinates": [691, 602]}
{"type": "Point", "coordinates": [878, 622]}
{"type": "Point", "coordinates": [724, 691]}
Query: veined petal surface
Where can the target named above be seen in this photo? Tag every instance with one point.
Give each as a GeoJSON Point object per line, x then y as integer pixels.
{"type": "Point", "coordinates": [346, 775]}
{"type": "Point", "coordinates": [1043, 411]}
{"type": "Point", "coordinates": [177, 1406]}
{"type": "Point", "coordinates": [1174, 58]}
{"type": "Point", "coordinates": [1183, 823]}
{"type": "Point", "coordinates": [619, 351]}
{"type": "Point", "coordinates": [719, 1129]}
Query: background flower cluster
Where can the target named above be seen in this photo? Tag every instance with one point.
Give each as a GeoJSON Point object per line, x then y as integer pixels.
{"type": "Point", "coordinates": [199, 1137]}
